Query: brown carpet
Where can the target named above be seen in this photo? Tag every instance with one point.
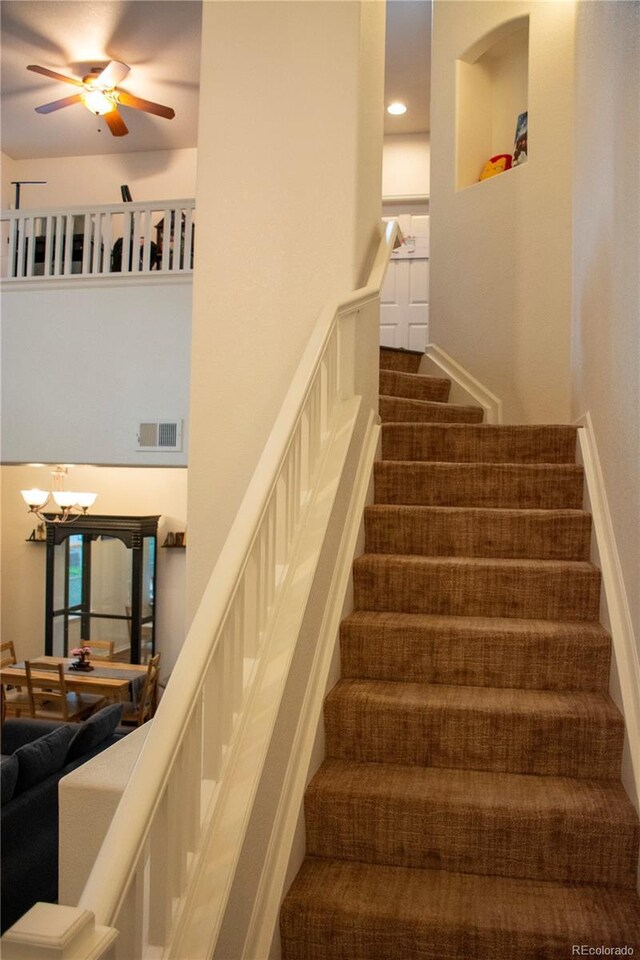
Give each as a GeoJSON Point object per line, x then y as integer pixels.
{"type": "Point", "coordinates": [469, 807]}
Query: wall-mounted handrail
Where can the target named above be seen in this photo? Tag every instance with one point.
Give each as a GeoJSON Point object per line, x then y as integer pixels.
{"type": "Point", "coordinates": [113, 240]}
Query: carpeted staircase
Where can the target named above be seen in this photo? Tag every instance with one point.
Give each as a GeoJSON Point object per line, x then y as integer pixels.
{"type": "Point", "coordinates": [469, 807]}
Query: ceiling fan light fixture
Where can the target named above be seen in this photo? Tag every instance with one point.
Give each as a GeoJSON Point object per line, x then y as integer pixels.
{"type": "Point", "coordinates": [98, 102]}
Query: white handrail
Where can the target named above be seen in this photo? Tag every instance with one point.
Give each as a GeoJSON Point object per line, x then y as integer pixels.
{"type": "Point", "coordinates": [162, 826]}
{"type": "Point", "coordinates": [114, 240]}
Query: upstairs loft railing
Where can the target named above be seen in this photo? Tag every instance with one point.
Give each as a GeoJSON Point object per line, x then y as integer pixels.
{"type": "Point", "coordinates": [162, 878]}
{"type": "Point", "coordinates": [110, 240]}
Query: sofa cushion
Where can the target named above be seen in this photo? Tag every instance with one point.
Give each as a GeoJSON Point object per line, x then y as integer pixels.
{"type": "Point", "coordinates": [42, 757]}
{"type": "Point", "coordinates": [8, 777]}
{"type": "Point", "coordinates": [94, 730]}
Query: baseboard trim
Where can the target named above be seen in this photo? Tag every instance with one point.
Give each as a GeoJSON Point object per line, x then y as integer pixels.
{"type": "Point", "coordinates": [615, 609]}
{"type": "Point", "coordinates": [465, 387]}
{"type": "Point", "coordinates": [266, 908]}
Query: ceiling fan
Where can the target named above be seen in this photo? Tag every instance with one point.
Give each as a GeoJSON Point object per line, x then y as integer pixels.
{"type": "Point", "coordinates": [100, 94]}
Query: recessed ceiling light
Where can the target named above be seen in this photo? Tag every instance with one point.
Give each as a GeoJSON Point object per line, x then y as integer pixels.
{"type": "Point", "coordinates": [396, 108]}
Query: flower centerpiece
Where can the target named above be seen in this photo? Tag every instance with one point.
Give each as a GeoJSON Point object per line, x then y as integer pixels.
{"type": "Point", "coordinates": [82, 655]}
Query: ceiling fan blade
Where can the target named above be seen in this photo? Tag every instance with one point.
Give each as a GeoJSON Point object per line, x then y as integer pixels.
{"type": "Point", "coordinates": [113, 74]}
{"type": "Point", "coordinates": [128, 100]}
{"type": "Point", "coordinates": [115, 123]}
{"type": "Point", "coordinates": [59, 104]}
{"type": "Point", "coordinates": [53, 75]}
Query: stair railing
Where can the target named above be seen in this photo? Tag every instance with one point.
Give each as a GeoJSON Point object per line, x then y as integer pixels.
{"type": "Point", "coordinates": [162, 878]}
{"type": "Point", "coordinates": [116, 240]}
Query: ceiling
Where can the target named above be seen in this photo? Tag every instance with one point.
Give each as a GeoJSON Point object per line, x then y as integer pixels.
{"type": "Point", "coordinates": [160, 41]}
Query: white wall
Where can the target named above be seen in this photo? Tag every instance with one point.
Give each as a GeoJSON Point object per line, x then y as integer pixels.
{"type": "Point", "coordinates": [606, 262]}
{"type": "Point", "coordinates": [130, 492]}
{"type": "Point", "coordinates": [292, 195]}
{"type": "Point", "coordinates": [84, 362]}
{"type": "Point", "coordinates": [74, 181]}
{"type": "Point", "coordinates": [500, 299]}
{"type": "Point", "coordinates": [405, 165]}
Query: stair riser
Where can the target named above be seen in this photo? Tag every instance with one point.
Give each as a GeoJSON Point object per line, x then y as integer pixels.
{"type": "Point", "coordinates": [478, 443]}
{"type": "Point", "coordinates": [524, 742]}
{"type": "Point", "coordinates": [403, 361]}
{"type": "Point", "coordinates": [545, 593]}
{"type": "Point", "coordinates": [483, 662]}
{"type": "Point", "coordinates": [479, 485]}
{"type": "Point", "coordinates": [481, 534]}
{"type": "Point", "coordinates": [411, 387]}
{"type": "Point", "coordinates": [438, 835]}
{"type": "Point", "coordinates": [394, 410]}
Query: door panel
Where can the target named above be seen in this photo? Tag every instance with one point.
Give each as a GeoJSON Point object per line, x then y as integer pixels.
{"type": "Point", "coordinates": [404, 299]}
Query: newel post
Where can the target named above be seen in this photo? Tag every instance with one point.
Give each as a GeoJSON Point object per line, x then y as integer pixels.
{"type": "Point", "coordinates": [52, 932]}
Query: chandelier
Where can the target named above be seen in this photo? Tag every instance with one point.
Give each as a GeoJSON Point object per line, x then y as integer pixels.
{"type": "Point", "coordinates": [72, 504]}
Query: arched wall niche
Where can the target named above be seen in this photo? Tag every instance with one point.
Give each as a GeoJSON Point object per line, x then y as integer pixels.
{"type": "Point", "coordinates": [492, 90]}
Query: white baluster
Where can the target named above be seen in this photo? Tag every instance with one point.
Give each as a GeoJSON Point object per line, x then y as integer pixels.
{"type": "Point", "coordinates": [212, 738]}
{"type": "Point", "coordinates": [59, 241]}
{"type": "Point", "coordinates": [129, 920]}
{"type": "Point", "coordinates": [13, 247]}
{"type": "Point", "coordinates": [96, 263]}
{"type": "Point", "coordinates": [48, 243]}
{"type": "Point", "coordinates": [188, 237]}
{"type": "Point", "coordinates": [68, 245]}
{"type": "Point", "coordinates": [106, 236]}
{"type": "Point", "coordinates": [159, 885]}
{"type": "Point", "coordinates": [166, 238]}
{"type": "Point", "coordinates": [127, 235]}
{"type": "Point", "coordinates": [86, 244]}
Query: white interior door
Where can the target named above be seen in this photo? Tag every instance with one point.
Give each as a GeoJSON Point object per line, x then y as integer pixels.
{"type": "Point", "coordinates": [404, 301]}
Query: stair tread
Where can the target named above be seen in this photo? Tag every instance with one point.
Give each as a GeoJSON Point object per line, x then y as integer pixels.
{"type": "Point", "coordinates": [477, 532]}
{"type": "Point", "coordinates": [479, 442]}
{"type": "Point", "coordinates": [475, 651]}
{"type": "Point", "coordinates": [579, 566]}
{"type": "Point", "coordinates": [405, 409]}
{"type": "Point", "coordinates": [589, 800]}
{"type": "Point", "coordinates": [473, 821]}
{"type": "Point", "coordinates": [431, 404]}
{"type": "Point", "coordinates": [416, 386]}
{"type": "Point", "coordinates": [524, 485]}
{"type": "Point", "coordinates": [373, 912]}
{"type": "Point", "coordinates": [486, 626]}
{"type": "Point", "coordinates": [410, 696]}
{"type": "Point", "coordinates": [414, 377]}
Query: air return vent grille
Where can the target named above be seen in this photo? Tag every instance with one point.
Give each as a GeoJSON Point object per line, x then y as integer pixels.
{"type": "Point", "coordinates": [159, 435]}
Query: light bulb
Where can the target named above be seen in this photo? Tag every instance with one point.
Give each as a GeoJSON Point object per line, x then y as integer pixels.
{"type": "Point", "coordinates": [98, 102]}
{"type": "Point", "coordinates": [396, 109]}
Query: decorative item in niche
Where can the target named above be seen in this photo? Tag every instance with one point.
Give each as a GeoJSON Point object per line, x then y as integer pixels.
{"type": "Point", "coordinates": [497, 164]}
{"type": "Point", "coordinates": [520, 142]}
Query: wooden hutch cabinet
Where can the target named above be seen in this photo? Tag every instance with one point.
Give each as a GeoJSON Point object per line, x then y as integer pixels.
{"type": "Point", "coordinates": [101, 585]}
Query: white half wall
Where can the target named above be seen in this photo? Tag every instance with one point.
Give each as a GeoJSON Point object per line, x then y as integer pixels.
{"type": "Point", "coordinates": [405, 165]}
{"type": "Point", "coordinates": [128, 491]}
{"type": "Point", "coordinates": [500, 299]}
{"type": "Point", "coordinates": [83, 363]}
{"type": "Point", "coordinates": [291, 193]}
{"type": "Point", "coordinates": [74, 181]}
{"type": "Point", "coordinates": [606, 263]}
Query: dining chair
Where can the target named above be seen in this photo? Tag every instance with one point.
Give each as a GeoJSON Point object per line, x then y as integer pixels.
{"type": "Point", "coordinates": [15, 700]}
{"type": "Point", "coordinates": [135, 714]}
{"type": "Point", "coordinates": [100, 649]}
{"type": "Point", "coordinates": [50, 699]}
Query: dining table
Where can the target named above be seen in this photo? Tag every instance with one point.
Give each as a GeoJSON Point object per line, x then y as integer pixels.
{"type": "Point", "coordinates": [114, 680]}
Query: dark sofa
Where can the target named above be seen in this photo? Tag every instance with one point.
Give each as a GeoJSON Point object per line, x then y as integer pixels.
{"type": "Point", "coordinates": [36, 754]}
